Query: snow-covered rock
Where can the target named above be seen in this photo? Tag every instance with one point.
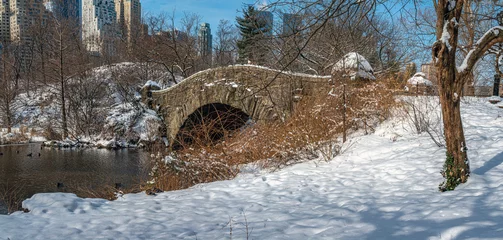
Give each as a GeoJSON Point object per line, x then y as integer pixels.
{"type": "Point", "coordinates": [419, 79]}
{"type": "Point", "coordinates": [355, 66]}
{"type": "Point", "coordinates": [152, 85]}
{"type": "Point", "coordinates": [494, 99]}
{"type": "Point", "coordinates": [133, 123]}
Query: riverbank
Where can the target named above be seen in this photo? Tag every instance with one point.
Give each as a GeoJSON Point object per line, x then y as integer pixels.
{"type": "Point", "coordinates": [19, 136]}
{"type": "Point", "coordinates": [125, 126]}
{"type": "Point", "coordinates": [22, 135]}
{"type": "Point", "coordinates": [99, 144]}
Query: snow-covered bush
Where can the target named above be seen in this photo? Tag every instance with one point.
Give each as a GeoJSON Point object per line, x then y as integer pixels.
{"type": "Point", "coordinates": [419, 79]}
{"type": "Point", "coordinates": [419, 85]}
{"type": "Point", "coordinates": [355, 66]}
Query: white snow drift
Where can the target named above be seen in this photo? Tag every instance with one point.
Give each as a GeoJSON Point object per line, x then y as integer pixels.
{"type": "Point", "coordinates": [384, 186]}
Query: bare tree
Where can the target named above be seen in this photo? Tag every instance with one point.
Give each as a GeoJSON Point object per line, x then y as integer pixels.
{"type": "Point", "coordinates": [173, 48]}
{"type": "Point", "coordinates": [452, 78]}
{"type": "Point", "coordinates": [63, 58]}
{"type": "Point", "coordinates": [9, 85]}
{"type": "Point", "coordinates": [225, 44]}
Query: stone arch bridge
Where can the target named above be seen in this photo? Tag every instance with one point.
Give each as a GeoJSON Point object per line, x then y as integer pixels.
{"type": "Point", "coordinates": [263, 94]}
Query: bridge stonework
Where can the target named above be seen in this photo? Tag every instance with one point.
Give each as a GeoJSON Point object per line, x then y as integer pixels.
{"type": "Point", "coordinates": [264, 94]}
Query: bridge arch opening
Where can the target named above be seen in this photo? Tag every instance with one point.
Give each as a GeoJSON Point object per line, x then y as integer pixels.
{"type": "Point", "coordinates": [209, 124]}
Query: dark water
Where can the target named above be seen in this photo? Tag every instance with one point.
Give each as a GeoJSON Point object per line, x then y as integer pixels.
{"type": "Point", "coordinates": [89, 168]}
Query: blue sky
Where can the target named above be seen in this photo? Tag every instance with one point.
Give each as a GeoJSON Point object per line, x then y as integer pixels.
{"type": "Point", "coordinates": [211, 11]}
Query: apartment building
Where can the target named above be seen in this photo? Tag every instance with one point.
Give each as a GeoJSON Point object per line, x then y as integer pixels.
{"type": "Point", "coordinates": [205, 40]}
{"type": "Point", "coordinates": [4, 22]}
{"type": "Point", "coordinates": [24, 14]}
{"type": "Point", "coordinates": [128, 18]}
{"type": "Point", "coordinates": [99, 25]}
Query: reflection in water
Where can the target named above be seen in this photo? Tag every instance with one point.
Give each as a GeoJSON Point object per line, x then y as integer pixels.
{"type": "Point", "coordinates": [91, 168]}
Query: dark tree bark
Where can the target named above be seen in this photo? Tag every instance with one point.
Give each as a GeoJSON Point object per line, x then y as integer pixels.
{"type": "Point", "coordinates": [451, 81]}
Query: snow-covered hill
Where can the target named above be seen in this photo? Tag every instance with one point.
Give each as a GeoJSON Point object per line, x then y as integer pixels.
{"type": "Point", "coordinates": [103, 108]}
{"type": "Point", "coordinates": [384, 186]}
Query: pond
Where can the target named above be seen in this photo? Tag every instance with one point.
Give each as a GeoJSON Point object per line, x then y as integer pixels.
{"type": "Point", "coordinates": [34, 169]}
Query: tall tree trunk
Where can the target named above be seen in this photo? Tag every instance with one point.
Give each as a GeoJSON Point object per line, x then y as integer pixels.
{"type": "Point", "coordinates": [344, 112]}
{"type": "Point", "coordinates": [497, 62]}
{"type": "Point", "coordinates": [62, 81]}
{"type": "Point", "coordinates": [456, 168]}
{"type": "Point", "coordinates": [7, 95]}
{"type": "Point", "coordinates": [9, 116]}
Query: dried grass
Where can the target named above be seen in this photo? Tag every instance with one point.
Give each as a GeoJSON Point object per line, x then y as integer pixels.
{"type": "Point", "coordinates": [11, 195]}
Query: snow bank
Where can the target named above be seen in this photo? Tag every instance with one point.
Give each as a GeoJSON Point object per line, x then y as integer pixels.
{"type": "Point", "coordinates": [355, 66]}
{"type": "Point", "coordinates": [379, 188]}
{"type": "Point", "coordinates": [16, 136]}
{"type": "Point", "coordinates": [419, 79]}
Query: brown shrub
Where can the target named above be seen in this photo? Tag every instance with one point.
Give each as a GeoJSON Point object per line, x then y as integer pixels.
{"type": "Point", "coordinates": [11, 195]}
{"type": "Point", "coordinates": [50, 133]}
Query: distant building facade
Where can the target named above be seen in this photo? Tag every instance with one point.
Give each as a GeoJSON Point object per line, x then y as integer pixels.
{"type": "Point", "coordinates": [205, 40]}
{"type": "Point", "coordinates": [99, 25]}
{"type": "Point", "coordinates": [431, 72]}
{"type": "Point", "coordinates": [23, 15]}
{"type": "Point", "coordinates": [99, 21]}
{"type": "Point", "coordinates": [64, 9]}
{"type": "Point", "coordinates": [128, 18]}
{"type": "Point", "coordinates": [267, 18]}
{"type": "Point", "coordinates": [4, 21]}
{"type": "Point", "coordinates": [291, 24]}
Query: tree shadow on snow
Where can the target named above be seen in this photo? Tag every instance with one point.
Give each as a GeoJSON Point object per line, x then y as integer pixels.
{"type": "Point", "coordinates": [484, 219]}
{"type": "Point", "coordinates": [494, 162]}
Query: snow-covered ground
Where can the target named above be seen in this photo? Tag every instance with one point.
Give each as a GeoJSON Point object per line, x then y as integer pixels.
{"type": "Point", "coordinates": [384, 186]}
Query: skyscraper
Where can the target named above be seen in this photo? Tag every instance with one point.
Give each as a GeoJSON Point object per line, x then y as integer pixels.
{"type": "Point", "coordinates": [205, 40]}
{"type": "Point", "coordinates": [291, 24]}
{"type": "Point", "coordinates": [128, 18]}
{"type": "Point", "coordinates": [23, 15]}
{"type": "Point", "coordinates": [267, 19]}
{"type": "Point", "coordinates": [64, 9]}
{"type": "Point", "coordinates": [4, 21]}
{"type": "Point", "coordinates": [99, 28]}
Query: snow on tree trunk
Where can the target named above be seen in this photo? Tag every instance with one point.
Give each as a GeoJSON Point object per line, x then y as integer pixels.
{"type": "Point", "coordinates": [451, 81]}
{"type": "Point", "coordinates": [456, 168]}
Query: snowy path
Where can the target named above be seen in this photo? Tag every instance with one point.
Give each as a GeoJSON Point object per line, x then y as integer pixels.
{"type": "Point", "coordinates": [379, 189]}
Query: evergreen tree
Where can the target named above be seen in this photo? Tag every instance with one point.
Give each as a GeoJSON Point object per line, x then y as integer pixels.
{"type": "Point", "coordinates": [254, 29]}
